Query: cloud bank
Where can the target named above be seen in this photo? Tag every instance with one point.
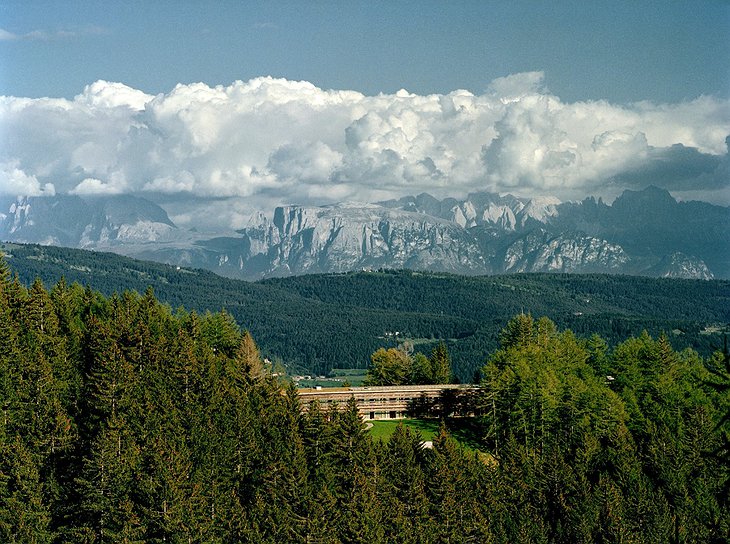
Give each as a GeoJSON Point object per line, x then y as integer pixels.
{"type": "Point", "coordinates": [269, 141]}
{"type": "Point", "coordinates": [50, 35]}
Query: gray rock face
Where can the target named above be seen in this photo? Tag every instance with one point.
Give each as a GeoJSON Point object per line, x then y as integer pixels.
{"type": "Point", "coordinates": [679, 265]}
{"type": "Point", "coordinates": [643, 232]}
{"type": "Point", "coordinates": [540, 251]}
{"type": "Point", "coordinates": [51, 221]}
{"type": "Point", "coordinates": [68, 220]}
{"type": "Point", "coordinates": [488, 209]}
{"type": "Point", "coordinates": [303, 240]}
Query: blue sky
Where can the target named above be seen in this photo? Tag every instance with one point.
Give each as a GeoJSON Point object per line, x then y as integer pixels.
{"type": "Point", "coordinates": [219, 108]}
{"type": "Point", "coordinates": [620, 51]}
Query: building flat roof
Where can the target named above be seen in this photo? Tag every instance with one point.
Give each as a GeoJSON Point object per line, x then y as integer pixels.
{"type": "Point", "coordinates": [385, 388]}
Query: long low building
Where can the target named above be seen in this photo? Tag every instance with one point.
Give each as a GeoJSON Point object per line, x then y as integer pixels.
{"type": "Point", "coordinates": [392, 402]}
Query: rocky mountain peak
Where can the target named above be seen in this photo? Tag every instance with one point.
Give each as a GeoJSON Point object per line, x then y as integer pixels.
{"type": "Point", "coordinates": [652, 199]}
{"type": "Point", "coordinates": [74, 221]}
{"type": "Point", "coordinates": [679, 265]}
{"type": "Point", "coordinates": [642, 232]}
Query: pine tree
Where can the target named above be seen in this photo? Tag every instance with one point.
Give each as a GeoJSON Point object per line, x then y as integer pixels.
{"type": "Point", "coordinates": [421, 372]}
{"type": "Point", "coordinates": [284, 495]}
{"type": "Point", "coordinates": [351, 448]}
{"type": "Point", "coordinates": [36, 408]}
{"type": "Point", "coordinates": [24, 515]}
{"type": "Point", "coordinates": [221, 332]}
{"type": "Point", "coordinates": [109, 511]}
{"type": "Point", "coordinates": [519, 332]}
{"type": "Point", "coordinates": [248, 359]}
{"type": "Point", "coordinates": [9, 353]}
{"type": "Point", "coordinates": [173, 505]}
{"type": "Point", "coordinates": [404, 487]}
{"type": "Point", "coordinates": [454, 509]}
{"type": "Point", "coordinates": [39, 315]}
{"type": "Point", "coordinates": [67, 365]}
{"type": "Point", "coordinates": [112, 377]}
{"type": "Point", "coordinates": [356, 479]}
{"type": "Point", "coordinates": [440, 364]}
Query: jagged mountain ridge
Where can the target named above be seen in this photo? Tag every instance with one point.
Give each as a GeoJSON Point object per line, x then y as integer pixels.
{"type": "Point", "coordinates": [643, 232]}
{"type": "Point", "coordinates": [70, 220]}
{"type": "Point", "coordinates": [512, 235]}
{"type": "Point", "coordinates": [342, 238]}
{"type": "Point", "coordinates": [483, 208]}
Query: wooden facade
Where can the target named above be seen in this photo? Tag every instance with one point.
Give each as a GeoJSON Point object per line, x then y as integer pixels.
{"type": "Point", "coordinates": [386, 402]}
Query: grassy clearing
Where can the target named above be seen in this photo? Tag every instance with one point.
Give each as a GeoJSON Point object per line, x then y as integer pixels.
{"type": "Point", "coordinates": [382, 430]}
{"type": "Point", "coordinates": [463, 430]}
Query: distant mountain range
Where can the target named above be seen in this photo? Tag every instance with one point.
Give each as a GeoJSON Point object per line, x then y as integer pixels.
{"type": "Point", "coordinates": [642, 233]}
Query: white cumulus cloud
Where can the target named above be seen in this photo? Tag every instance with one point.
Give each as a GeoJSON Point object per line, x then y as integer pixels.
{"type": "Point", "coordinates": [93, 186]}
{"type": "Point", "coordinates": [268, 141]}
{"type": "Point", "coordinates": [104, 95]}
{"type": "Point", "coordinates": [13, 180]}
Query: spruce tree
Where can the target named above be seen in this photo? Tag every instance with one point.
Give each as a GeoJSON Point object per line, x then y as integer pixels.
{"type": "Point", "coordinates": [440, 364]}
{"type": "Point", "coordinates": [404, 487]}
{"type": "Point", "coordinates": [24, 514]}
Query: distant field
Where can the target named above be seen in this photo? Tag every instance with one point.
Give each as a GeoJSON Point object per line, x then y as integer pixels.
{"type": "Point", "coordinates": [353, 375]}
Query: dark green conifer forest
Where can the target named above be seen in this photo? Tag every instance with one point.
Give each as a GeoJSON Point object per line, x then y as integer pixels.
{"type": "Point", "coordinates": [350, 316]}
{"type": "Point", "coordinates": [122, 420]}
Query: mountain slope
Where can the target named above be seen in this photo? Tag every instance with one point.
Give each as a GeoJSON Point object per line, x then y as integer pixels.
{"type": "Point", "coordinates": [651, 226]}
{"type": "Point", "coordinates": [317, 322]}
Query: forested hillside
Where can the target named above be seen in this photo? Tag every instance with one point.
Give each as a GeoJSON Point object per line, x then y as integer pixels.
{"type": "Point", "coordinates": [319, 322]}
{"type": "Point", "coordinates": [125, 421]}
